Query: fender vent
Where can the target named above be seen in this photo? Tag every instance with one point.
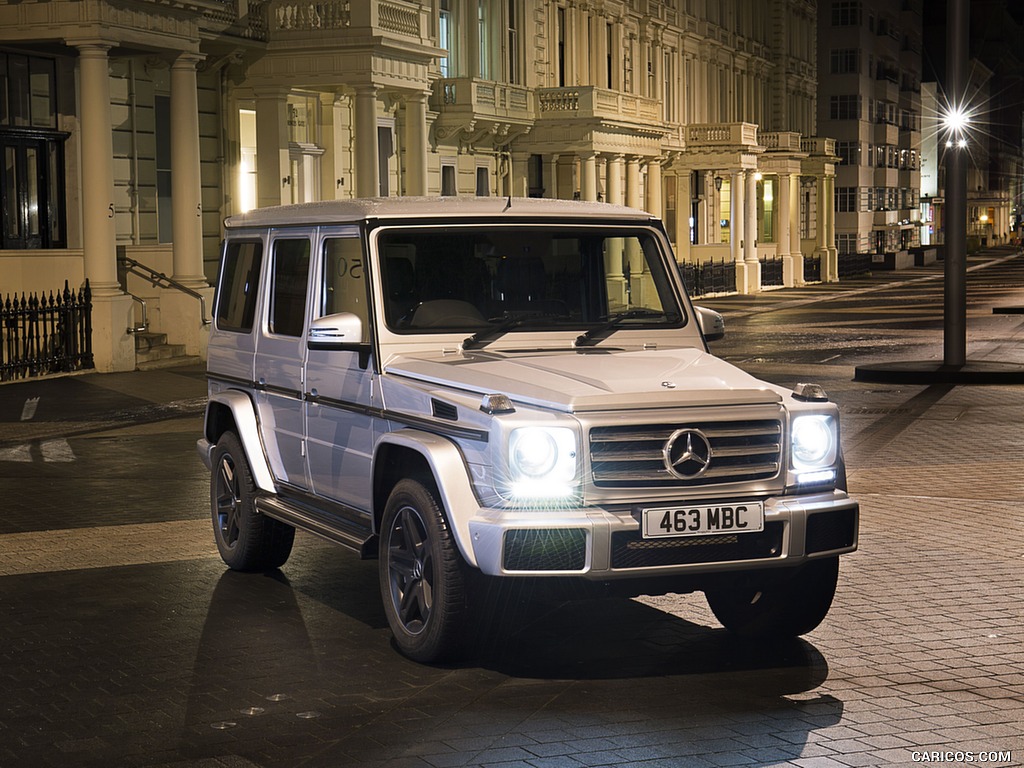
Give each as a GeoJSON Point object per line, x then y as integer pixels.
{"type": "Point", "coordinates": [443, 410]}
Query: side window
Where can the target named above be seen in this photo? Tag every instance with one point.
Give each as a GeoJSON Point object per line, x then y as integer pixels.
{"type": "Point", "coordinates": [345, 278]}
{"type": "Point", "coordinates": [288, 293]}
{"type": "Point", "coordinates": [239, 283]}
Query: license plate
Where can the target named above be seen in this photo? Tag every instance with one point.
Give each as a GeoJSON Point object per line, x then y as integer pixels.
{"type": "Point", "coordinates": [703, 519]}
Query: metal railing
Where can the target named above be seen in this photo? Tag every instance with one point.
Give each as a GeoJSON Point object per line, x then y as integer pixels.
{"type": "Point", "coordinates": [709, 277]}
{"type": "Point", "coordinates": [41, 335]}
{"type": "Point", "coordinates": [771, 272]}
{"type": "Point", "coordinates": [158, 280]}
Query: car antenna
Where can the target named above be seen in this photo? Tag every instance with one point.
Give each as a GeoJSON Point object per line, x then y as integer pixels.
{"type": "Point", "coordinates": [508, 203]}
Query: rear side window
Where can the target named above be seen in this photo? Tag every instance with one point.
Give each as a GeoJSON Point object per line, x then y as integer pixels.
{"type": "Point", "coordinates": [240, 278]}
{"type": "Point", "coordinates": [288, 294]}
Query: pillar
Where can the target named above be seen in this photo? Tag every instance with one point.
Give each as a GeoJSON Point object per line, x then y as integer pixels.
{"type": "Point", "coordinates": [654, 191]}
{"type": "Point", "coordinates": [736, 220]}
{"type": "Point", "coordinates": [415, 143]}
{"type": "Point", "coordinates": [520, 171]}
{"type": "Point", "coordinates": [181, 313]}
{"type": "Point", "coordinates": [551, 188]}
{"type": "Point", "coordinates": [366, 150]}
{"type": "Point", "coordinates": [784, 237]}
{"type": "Point", "coordinates": [795, 233]}
{"type": "Point", "coordinates": [588, 187]}
{"type": "Point", "coordinates": [272, 164]}
{"type": "Point", "coordinates": [112, 311]}
{"type": "Point", "coordinates": [614, 180]}
{"type": "Point", "coordinates": [684, 209]}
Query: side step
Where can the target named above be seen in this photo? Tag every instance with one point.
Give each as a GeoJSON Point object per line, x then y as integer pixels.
{"type": "Point", "coordinates": [347, 533]}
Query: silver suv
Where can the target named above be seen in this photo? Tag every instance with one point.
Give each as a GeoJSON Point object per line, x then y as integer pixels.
{"type": "Point", "coordinates": [490, 388]}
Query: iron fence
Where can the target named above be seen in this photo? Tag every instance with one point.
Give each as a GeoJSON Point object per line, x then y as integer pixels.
{"type": "Point", "coordinates": [812, 269]}
{"type": "Point", "coordinates": [709, 277]}
{"type": "Point", "coordinates": [854, 264]}
{"type": "Point", "coordinates": [771, 271]}
{"type": "Point", "coordinates": [40, 335]}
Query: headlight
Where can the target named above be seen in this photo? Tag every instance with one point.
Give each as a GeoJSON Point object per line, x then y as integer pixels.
{"type": "Point", "coordinates": [814, 442]}
{"type": "Point", "coordinates": [542, 462]}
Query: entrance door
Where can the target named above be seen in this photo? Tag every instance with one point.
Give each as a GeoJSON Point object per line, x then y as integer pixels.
{"type": "Point", "coordinates": [31, 174]}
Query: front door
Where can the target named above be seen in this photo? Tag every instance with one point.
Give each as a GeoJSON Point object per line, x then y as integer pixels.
{"type": "Point", "coordinates": [341, 397]}
{"type": "Point", "coordinates": [31, 178]}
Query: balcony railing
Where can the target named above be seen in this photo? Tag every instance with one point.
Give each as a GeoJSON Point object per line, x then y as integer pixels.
{"type": "Point", "coordinates": [587, 101]}
{"type": "Point", "coordinates": [721, 135]}
{"type": "Point", "coordinates": [482, 97]}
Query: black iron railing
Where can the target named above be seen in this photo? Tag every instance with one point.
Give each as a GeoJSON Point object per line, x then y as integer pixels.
{"type": "Point", "coordinates": [40, 335]}
{"type": "Point", "coordinates": [771, 272]}
{"type": "Point", "coordinates": [812, 269]}
{"type": "Point", "coordinates": [709, 277]}
{"type": "Point", "coordinates": [854, 264]}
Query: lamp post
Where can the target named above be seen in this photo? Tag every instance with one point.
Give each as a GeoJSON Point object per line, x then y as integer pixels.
{"type": "Point", "coordinates": [955, 267]}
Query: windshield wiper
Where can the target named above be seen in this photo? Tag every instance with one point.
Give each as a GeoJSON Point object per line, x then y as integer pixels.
{"type": "Point", "coordinates": [593, 335]}
{"type": "Point", "coordinates": [485, 335]}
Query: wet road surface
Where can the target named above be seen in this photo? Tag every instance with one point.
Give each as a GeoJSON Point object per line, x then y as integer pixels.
{"type": "Point", "coordinates": [125, 642]}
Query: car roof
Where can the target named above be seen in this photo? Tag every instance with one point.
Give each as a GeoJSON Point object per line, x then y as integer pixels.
{"type": "Point", "coordinates": [361, 209]}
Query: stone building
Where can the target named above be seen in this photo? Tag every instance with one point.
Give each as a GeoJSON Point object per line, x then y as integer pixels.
{"type": "Point", "coordinates": [131, 129]}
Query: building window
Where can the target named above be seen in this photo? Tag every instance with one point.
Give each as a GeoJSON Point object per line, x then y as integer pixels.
{"type": "Point", "coordinates": [446, 38]}
{"type": "Point", "coordinates": [448, 186]}
{"type": "Point", "coordinates": [561, 47]}
{"type": "Point", "coordinates": [844, 107]}
{"type": "Point", "coordinates": [845, 61]}
{"type": "Point", "coordinates": [846, 199]}
{"type": "Point", "coordinates": [484, 38]}
{"type": "Point", "coordinates": [846, 13]}
{"type": "Point", "coordinates": [513, 43]}
{"type": "Point", "coordinates": [846, 242]}
{"type": "Point", "coordinates": [483, 182]}
{"type": "Point", "coordinates": [162, 130]}
{"type": "Point", "coordinates": [848, 152]}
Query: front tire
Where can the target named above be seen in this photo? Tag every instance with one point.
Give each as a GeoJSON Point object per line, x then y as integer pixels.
{"type": "Point", "coordinates": [787, 608]}
{"type": "Point", "coordinates": [246, 540]}
{"type": "Point", "coordinates": [422, 582]}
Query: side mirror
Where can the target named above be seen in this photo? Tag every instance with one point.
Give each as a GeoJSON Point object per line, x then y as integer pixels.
{"type": "Point", "coordinates": [341, 331]}
{"type": "Point", "coordinates": [712, 324]}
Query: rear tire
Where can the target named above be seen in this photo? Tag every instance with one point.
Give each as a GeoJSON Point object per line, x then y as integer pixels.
{"type": "Point", "coordinates": [422, 581]}
{"type": "Point", "coordinates": [787, 608]}
{"type": "Point", "coordinates": [246, 540]}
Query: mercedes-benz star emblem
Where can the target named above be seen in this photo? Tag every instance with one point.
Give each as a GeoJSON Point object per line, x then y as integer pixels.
{"type": "Point", "coordinates": [687, 453]}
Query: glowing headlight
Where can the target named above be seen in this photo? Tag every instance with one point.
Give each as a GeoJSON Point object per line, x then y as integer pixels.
{"type": "Point", "coordinates": [814, 442]}
{"type": "Point", "coordinates": [542, 461]}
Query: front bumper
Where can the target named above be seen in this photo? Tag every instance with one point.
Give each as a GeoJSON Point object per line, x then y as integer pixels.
{"type": "Point", "coordinates": [606, 543]}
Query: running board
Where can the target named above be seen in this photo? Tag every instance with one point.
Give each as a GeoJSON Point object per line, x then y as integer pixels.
{"type": "Point", "coordinates": [348, 534]}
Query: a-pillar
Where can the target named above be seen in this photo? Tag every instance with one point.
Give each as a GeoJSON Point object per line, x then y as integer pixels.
{"type": "Point", "coordinates": [588, 161]}
{"type": "Point", "coordinates": [273, 182]}
{"type": "Point", "coordinates": [180, 313]}
{"type": "Point", "coordinates": [415, 143]}
{"type": "Point", "coordinates": [788, 273]}
{"type": "Point", "coordinates": [366, 149]}
{"type": "Point", "coordinates": [795, 233]}
{"type": "Point", "coordinates": [112, 310]}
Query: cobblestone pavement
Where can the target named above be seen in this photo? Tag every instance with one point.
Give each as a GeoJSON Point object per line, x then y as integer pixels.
{"type": "Point", "coordinates": [125, 642]}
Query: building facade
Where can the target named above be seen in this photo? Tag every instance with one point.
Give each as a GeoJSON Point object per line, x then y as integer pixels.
{"type": "Point", "coordinates": [131, 129]}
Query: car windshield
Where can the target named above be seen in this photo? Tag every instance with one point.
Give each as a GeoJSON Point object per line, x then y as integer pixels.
{"type": "Point", "coordinates": [492, 280]}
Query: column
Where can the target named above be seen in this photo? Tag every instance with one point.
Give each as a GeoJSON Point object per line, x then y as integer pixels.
{"type": "Point", "coordinates": [614, 180]}
{"type": "Point", "coordinates": [751, 262]}
{"type": "Point", "coordinates": [272, 165]}
{"type": "Point", "coordinates": [684, 209]}
{"type": "Point", "coordinates": [520, 174]}
{"type": "Point", "coordinates": [186, 186]}
{"type": "Point", "coordinates": [415, 143]}
{"type": "Point", "coordinates": [588, 188]}
{"type": "Point", "coordinates": [788, 276]}
{"type": "Point", "coordinates": [633, 182]}
{"type": "Point", "coordinates": [365, 145]}
{"type": "Point", "coordinates": [830, 228]}
{"type": "Point", "coordinates": [795, 233]}
{"type": "Point", "coordinates": [551, 185]}
{"type": "Point", "coordinates": [737, 184]}
{"type": "Point", "coordinates": [112, 311]}
{"type": "Point", "coordinates": [614, 267]}
{"type": "Point", "coordinates": [654, 191]}
{"type": "Point", "coordinates": [180, 313]}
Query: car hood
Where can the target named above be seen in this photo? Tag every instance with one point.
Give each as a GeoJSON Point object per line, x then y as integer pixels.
{"type": "Point", "coordinates": [592, 380]}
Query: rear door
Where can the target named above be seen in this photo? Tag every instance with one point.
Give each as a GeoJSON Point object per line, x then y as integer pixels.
{"type": "Point", "coordinates": [280, 355]}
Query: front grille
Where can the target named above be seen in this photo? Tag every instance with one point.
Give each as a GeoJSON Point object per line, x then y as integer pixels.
{"type": "Point", "coordinates": [831, 530]}
{"type": "Point", "coordinates": [630, 550]}
{"type": "Point", "coordinates": [632, 456]}
{"type": "Point", "coordinates": [546, 549]}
